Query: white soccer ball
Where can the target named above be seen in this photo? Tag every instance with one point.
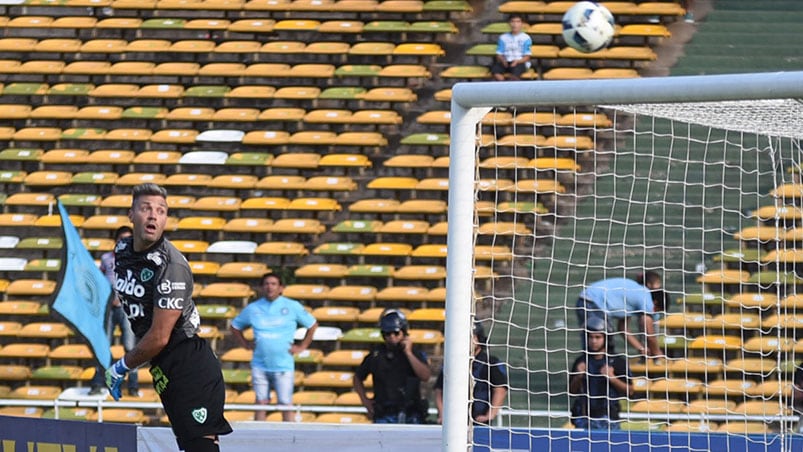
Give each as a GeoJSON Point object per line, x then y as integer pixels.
{"type": "Point", "coordinates": [588, 27]}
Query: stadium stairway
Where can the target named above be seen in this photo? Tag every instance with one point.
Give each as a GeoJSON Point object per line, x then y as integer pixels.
{"type": "Point", "coordinates": [745, 36]}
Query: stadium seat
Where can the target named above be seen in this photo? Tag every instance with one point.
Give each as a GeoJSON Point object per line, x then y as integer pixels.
{"type": "Point", "coordinates": [707, 366]}
{"type": "Point", "coordinates": [343, 418]}
{"type": "Point", "coordinates": [728, 388]}
{"type": "Point", "coordinates": [314, 398]}
{"type": "Point", "coordinates": [307, 292]}
{"type": "Point", "coordinates": [329, 379]}
{"type": "Point", "coordinates": [335, 314]}
{"type": "Point", "coordinates": [347, 358]}
{"type": "Point", "coordinates": [120, 415]}
{"type": "Point", "coordinates": [352, 293]}
{"type": "Point", "coordinates": [21, 411]}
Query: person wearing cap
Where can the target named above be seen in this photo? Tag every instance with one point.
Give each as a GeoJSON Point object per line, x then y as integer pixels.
{"type": "Point", "coordinates": [397, 368]}
{"type": "Point", "coordinates": [617, 300]}
{"type": "Point", "coordinates": [599, 380]}
{"type": "Point", "coordinates": [489, 375]}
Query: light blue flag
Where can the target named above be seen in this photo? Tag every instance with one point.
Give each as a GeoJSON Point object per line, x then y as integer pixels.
{"type": "Point", "coordinates": [83, 294]}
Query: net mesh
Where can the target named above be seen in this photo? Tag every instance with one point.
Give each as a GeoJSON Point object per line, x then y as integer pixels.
{"type": "Point", "coordinates": [707, 195]}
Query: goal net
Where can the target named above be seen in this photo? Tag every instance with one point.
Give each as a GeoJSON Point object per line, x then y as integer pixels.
{"type": "Point", "coordinates": [697, 179]}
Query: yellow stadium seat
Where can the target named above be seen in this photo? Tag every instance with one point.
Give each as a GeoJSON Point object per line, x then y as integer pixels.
{"type": "Point", "coordinates": [343, 418]}
{"type": "Point", "coordinates": [21, 411]}
{"type": "Point", "coordinates": [402, 293]}
{"type": "Point", "coordinates": [314, 398]}
{"type": "Point", "coordinates": [244, 270]}
{"type": "Point", "coordinates": [321, 271]}
{"type": "Point", "coordinates": [349, 358]}
{"type": "Point", "coordinates": [24, 350]}
{"type": "Point", "coordinates": [307, 291]}
{"type": "Point", "coordinates": [333, 314]}
{"type": "Point", "coordinates": [329, 379]}
{"type": "Point", "coordinates": [282, 249]}
{"type": "Point", "coordinates": [120, 415]}
{"type": "Point", "coordinates": [711, 406]}
{"type": "Point", "coordinates": [733, 387]}
{"type": "Point", "coordinates": [420, 272]}
{"type": "Point", "coordinates": [36, 392]}
{"type": "Point", "coordinates": [297, 226]}
{"type": "Point", "coordinates": [742, 427]}
{"type": "Point", "coordinates": [711, 343]}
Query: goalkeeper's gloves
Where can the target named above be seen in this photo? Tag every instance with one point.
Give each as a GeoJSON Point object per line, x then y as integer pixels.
{"type": "Point", "coordinates": [115, 376]}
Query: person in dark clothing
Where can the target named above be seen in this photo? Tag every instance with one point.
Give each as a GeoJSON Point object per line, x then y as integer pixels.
{"type": "Point", "coordinates": [154, 284]}
{"type": "Point", "coordinates": [598, 381]}
{"type": "Point", "coordinates": [489, 375]}
{"type": "Point", "coordinates": [398, 368]}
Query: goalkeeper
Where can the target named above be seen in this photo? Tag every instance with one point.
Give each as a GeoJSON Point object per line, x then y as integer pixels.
{"type": "Point", "coordinates": [154, 284]}
{"type": "Point", "coordinates": [617, 300]}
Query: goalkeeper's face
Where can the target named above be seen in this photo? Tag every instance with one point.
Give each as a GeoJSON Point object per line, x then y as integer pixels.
{"type": "Point", "coordinates": [149, 217]}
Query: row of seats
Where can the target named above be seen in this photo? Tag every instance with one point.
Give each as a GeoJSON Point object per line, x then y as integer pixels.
{"type": "Point", "coordinates": [166, 92]}
{"type": "Point", "coordinates": [326, 6]}
{"type": "Point", "coordinates": [71, 49]}
{"type": "Point", "coordinates": [27, 25]}
{"type": "Point", "coordinates": [197, 113]}
{"type": "Point", "coordinates": [555, 29]}
{"type": "Point", "coordinates": [235, 291]}
{"type": "Point", "coordinates": [667, 8]}
{"type": "Point", "coordinates": [51, 69]}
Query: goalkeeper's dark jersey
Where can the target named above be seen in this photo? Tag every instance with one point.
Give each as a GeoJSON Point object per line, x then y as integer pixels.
{"type": "Point", "coordinates": [157, 278]}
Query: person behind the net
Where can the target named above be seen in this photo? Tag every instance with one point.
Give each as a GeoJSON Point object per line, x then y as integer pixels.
{"type": "Point", "coordinates": [513, 50]}
{"type": "Point", "coordinates": [489, 376]}
{"type": "Point", "coordinates": [398, 368]}
{"type": "Point", "coordinates": [599, 380]}
{"type": "Point", "coordinates": [617, 300]}
{"type": "Point", "coordinates": [116, 317]}
{"type": "Point", "coordinates": [797, 395]}
{"type": "Point", "coordinates": [274, 319]}
{"type": "Point", "coordinates": [155, 285]}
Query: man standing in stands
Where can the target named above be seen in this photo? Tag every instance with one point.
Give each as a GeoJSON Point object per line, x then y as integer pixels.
{"type": "Point", "coordinates": [154, 284]}
{"type": "Point", "coordinates": [116, 317]}
{"type": "Point", "coordinates": [616, 300]}
{"type": "Point", "coordinates": [274, 319]}
{"type": "Point", "coordinates": [489, 376]}
{"type": "Point", "coordinates": [513, 51]}
{"type": "Point", "coordinates": [398, 368]}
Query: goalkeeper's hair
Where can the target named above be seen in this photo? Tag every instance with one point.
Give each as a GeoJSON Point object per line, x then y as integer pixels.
{"type": "Point", "coordinates": [147, 189]}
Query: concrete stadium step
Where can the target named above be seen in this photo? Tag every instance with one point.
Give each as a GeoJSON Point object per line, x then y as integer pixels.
{"type": "Point", "coordinates": [786, 41]}
{"type": "Point", "coordinates": [713, 64]}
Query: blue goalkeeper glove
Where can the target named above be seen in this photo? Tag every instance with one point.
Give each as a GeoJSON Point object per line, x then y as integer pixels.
{"type": "Point", "coordinates": [115, 376]}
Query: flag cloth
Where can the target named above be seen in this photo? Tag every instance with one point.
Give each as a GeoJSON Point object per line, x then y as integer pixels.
{"type": "Point", "coordinates": [83, 294]}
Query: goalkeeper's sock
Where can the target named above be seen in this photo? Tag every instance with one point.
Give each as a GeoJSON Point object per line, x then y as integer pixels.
{"type": "Point", "coordinates": [202, 444]}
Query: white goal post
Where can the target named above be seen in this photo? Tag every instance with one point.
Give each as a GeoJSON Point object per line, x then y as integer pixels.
{"type": "Point", "coordinates": [470, 103]}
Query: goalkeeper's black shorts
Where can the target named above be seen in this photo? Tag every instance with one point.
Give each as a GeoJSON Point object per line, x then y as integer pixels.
{"type": "Point", "coordinates": [189, 381]}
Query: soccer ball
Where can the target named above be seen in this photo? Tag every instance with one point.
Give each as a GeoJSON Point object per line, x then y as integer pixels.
{"type": "Point", "coordinates": [588, 27]}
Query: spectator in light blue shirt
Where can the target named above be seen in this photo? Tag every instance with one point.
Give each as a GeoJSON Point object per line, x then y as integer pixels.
{"type": "Point", "coordinates": [513, 51]}
{"type": "Point", "coordinates": [274, 319]}
{"type": "Point", "coordinates": [615, 300]}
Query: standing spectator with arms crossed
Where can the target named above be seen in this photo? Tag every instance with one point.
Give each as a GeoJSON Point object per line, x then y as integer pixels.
{"type": "Point", "coordinates": [398, 368]}
{"type": "Point", "coordinates": [154, 284]}
{"type": "Point", "coordinates": [615, 300]}
{"type": "Point", "coordinates": [274, 319]}
{"type": "Point", "coordinates": [490, 382]}
{"type": "Point", "coordinates": [116, 317]}
{"type": "Point", "coordinates": [598, 380]}
{"type": "Point", "coordinates": [512, 52]}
